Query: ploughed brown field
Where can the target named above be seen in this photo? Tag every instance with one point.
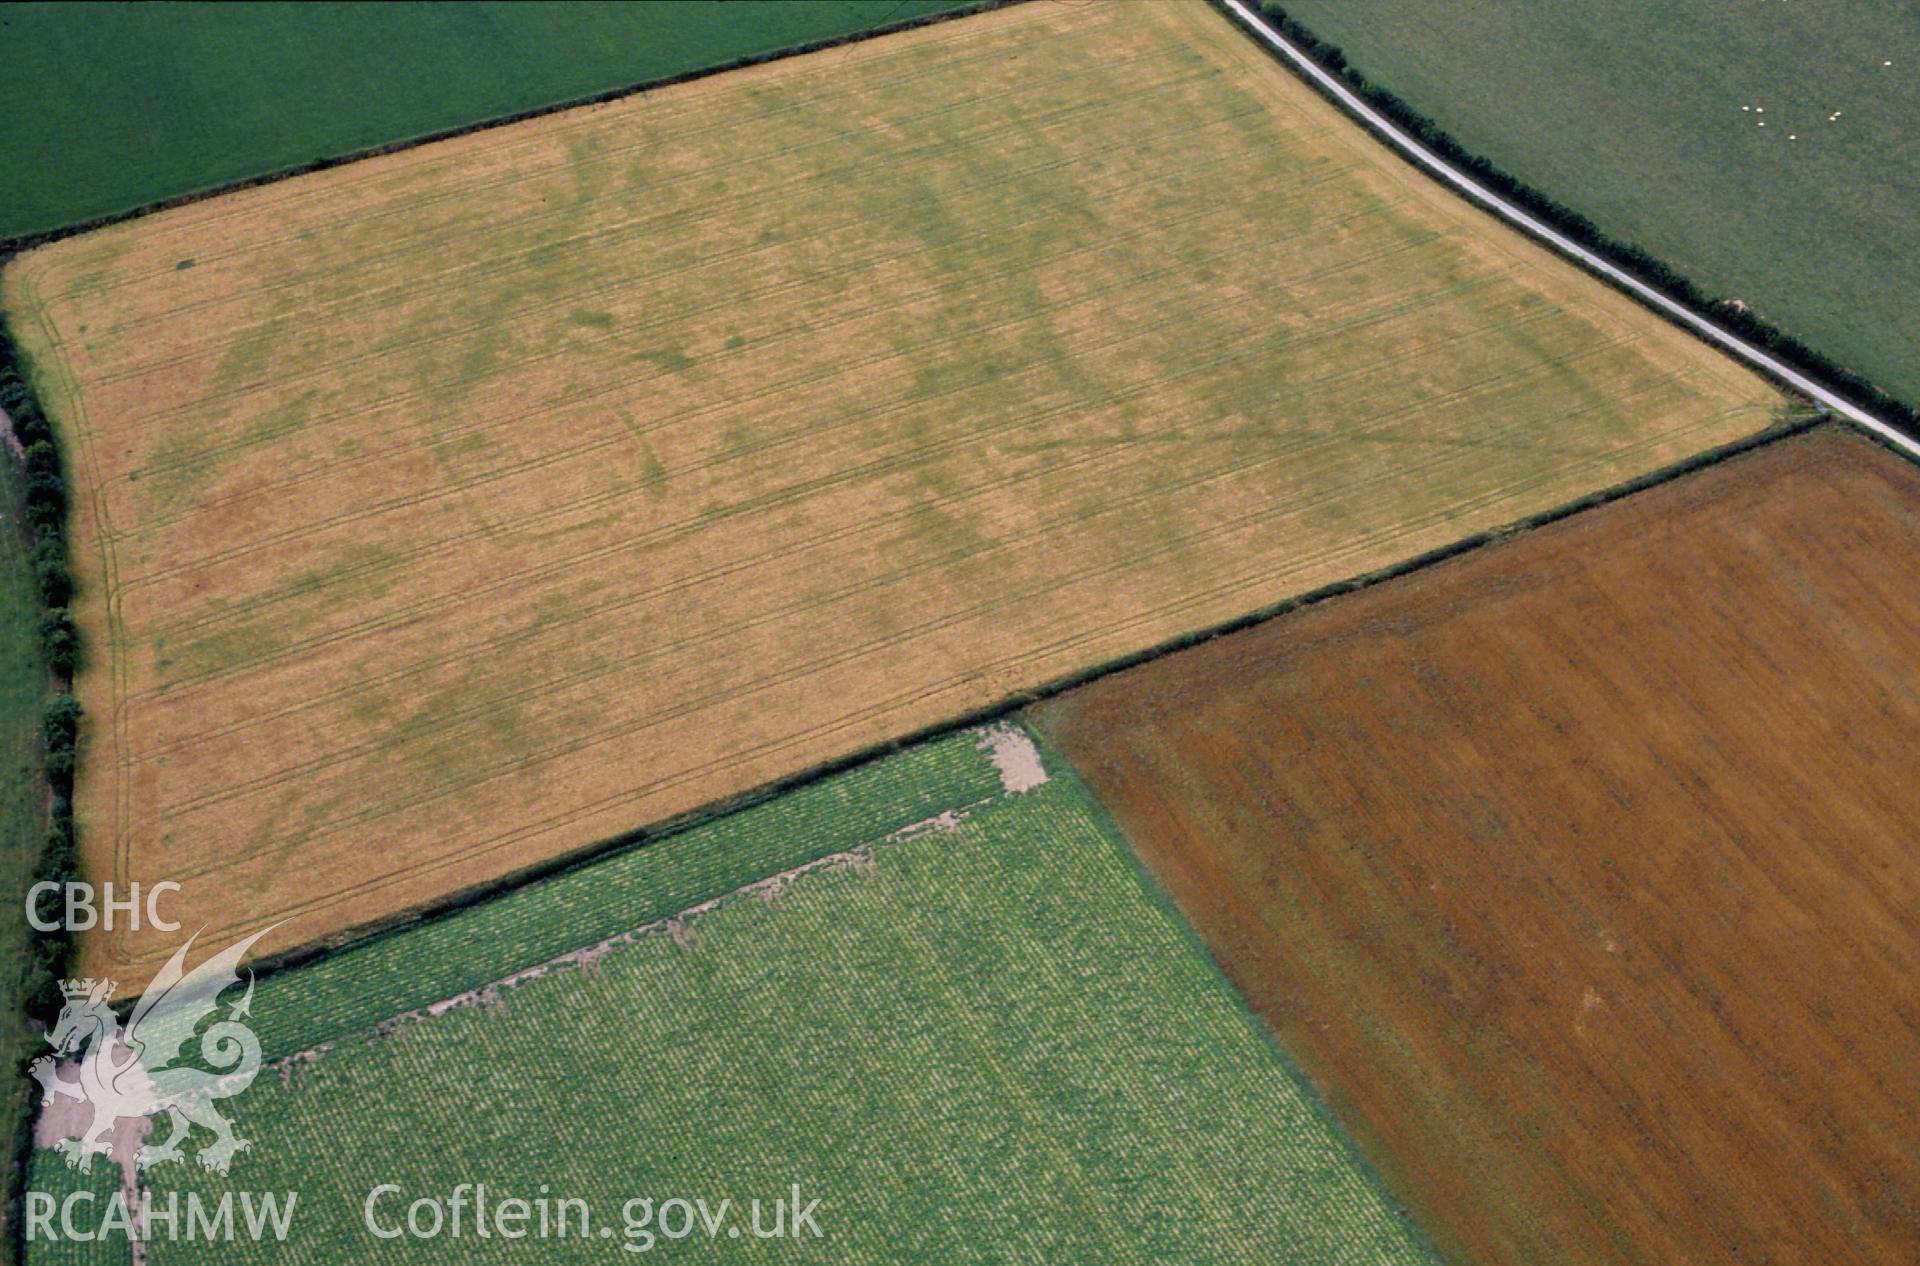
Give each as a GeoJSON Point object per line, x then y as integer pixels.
{"type": "Point", "coordinates": [1581, 873]}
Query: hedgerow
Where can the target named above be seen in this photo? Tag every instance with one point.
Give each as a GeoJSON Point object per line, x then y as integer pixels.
{"type": "Point", "coordinates": [412, 966]}
{"type": "Point", "coordinates": [44, 482]}
{"type": "Point", "coordinates": [1730, 315]}
{"type": "Point", "coordinates": [48, 955]}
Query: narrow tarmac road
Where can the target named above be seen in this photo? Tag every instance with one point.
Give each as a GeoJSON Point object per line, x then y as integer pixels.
{"type": "Point", "coordinates": [1567, 246]}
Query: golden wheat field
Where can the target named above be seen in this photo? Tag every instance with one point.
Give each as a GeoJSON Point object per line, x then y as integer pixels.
{"type": "Point", "coordinates": [450, 511]}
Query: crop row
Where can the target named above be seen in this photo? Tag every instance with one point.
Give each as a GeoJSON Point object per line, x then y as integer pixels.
{"type": "Point", "coordinates": [411, 967]}
{"type": "Point", "coordinates": [987, 1036]}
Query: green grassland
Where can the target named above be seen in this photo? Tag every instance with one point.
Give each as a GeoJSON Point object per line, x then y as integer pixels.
{"type": "Point", "coordinates": [1632, 115]}
{"type": "Point", "coordinates": [110, 107]}
{"type": "Point", "coordinates": [986, 1042]}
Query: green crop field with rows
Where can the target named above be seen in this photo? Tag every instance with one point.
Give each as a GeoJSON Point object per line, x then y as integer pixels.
{"type": "Point", "coordinates": [973, 1036]}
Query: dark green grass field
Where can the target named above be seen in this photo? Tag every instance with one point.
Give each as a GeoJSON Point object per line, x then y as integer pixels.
{"type": "Point", "coordinates": [110, 107]}
{"type": "Point", "coordinates": [1631, 113]}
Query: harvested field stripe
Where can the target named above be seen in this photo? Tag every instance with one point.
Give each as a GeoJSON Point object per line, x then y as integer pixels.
{"type": "Point", "coordinates": [813, 433]}
{"type": "Point", "coordinates": [516, 639]}
{"type": "Point", "coordinates": [551, 685]}
{"type": "Point", "coordinates": [641, 231]}
{"type": "Point", "coordinates": [1090, 455]}
{"type": "Point", "coordinates": [791, 333]}
{"type": "Point", "coordinates": [882, 411]}
{"type": "Point", "coordinates": [1291, 448]}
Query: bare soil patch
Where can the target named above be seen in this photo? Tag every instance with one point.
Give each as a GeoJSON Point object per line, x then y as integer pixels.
{"type": "Point", "coordinates": [1579, 872]}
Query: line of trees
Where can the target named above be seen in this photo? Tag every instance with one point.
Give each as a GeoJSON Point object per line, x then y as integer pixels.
{"type": "Point", "coordinates": [1655, 272]}
{"type": "Point", "coordinates": [45, 485]}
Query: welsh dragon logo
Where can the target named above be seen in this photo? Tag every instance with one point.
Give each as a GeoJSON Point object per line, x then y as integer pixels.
{"type": "Point", "coordinates": [132, 1072]}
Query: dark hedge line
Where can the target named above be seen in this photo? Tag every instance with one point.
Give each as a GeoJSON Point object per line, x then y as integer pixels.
{"type": "Point", "coordinates": [45, 486]}
{"type": "Point", "coordinates": [26, 241]}
{"type": "Point", "coordinates": [49, 954]}
{"type": "Point", "coordinates": [1648, 268]}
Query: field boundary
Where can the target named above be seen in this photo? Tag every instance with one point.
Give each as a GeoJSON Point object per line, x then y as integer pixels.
{"type": "Point", "coordinates": [1155, 893]}
{"type": "Point", "coordinates": [16, 1130]}
{"type": "Point", "coordinates": [1628, 268]}
{"type": "Point", "coordinates": [611, 831]}
{"type": "Point", "coordinates": [23, 242]}
{"type": "Point", "coordinates": [35, 486]}
{"type": "Point", "coordinates": [1239, 454]}
{"type": "Point", "coordinates": [1563, 706]}
{"type": "Point", "coordinates": [679, 926]}
{"type": "Point", "coordinates": [1004, 708]}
